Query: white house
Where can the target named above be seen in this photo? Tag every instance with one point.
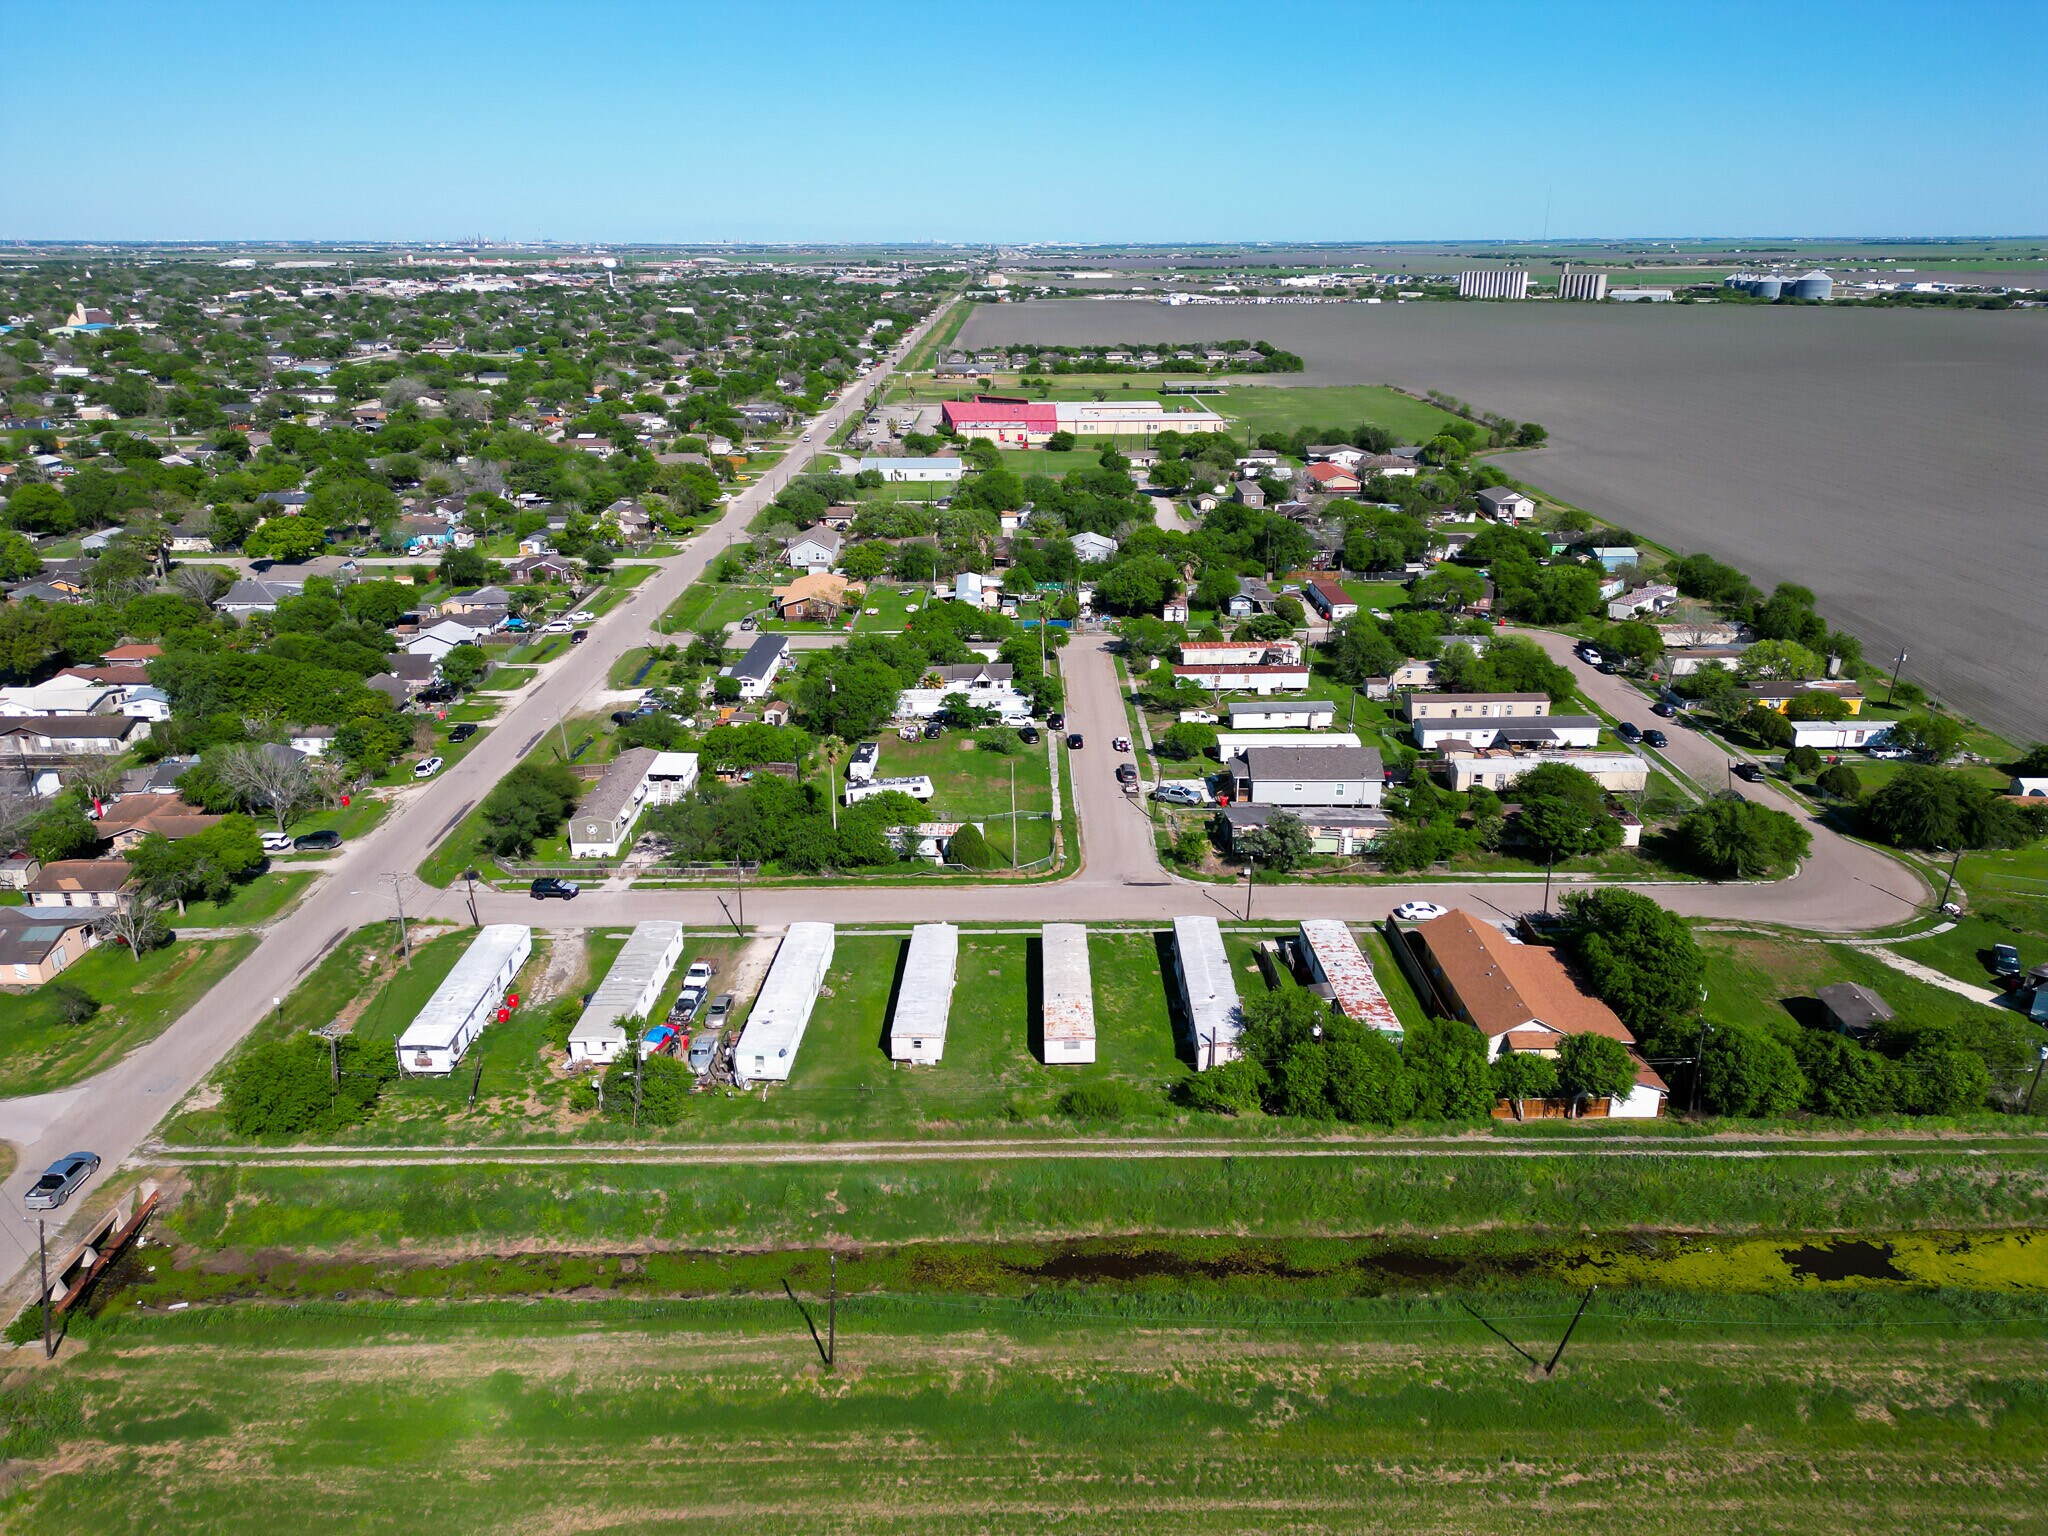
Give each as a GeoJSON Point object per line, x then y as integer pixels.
{"type": "Point", "coordinates": [1551, 731]}
{"type": "Point", "coordinates": [468, 998]}
{"type": "Point", "coordinates": [1282, 714]}
{"type": "Point", "coordinates": [767, 1047]}
{"type": "Point", "coordinates": [1653, 599]}
{"type": "Point", "coordinates": [816, 550]}
{"type": "Point", "coordinates": [629, 991]}
{"type": "Point", "coordinates": [914, 469]}
{"type": "Point", "coordinates": [1092, 548]}
{"type": "Point", "coordinates": [1247, 679]}
{"type": "Point", "coordinates": [603, 820]}
{"type": "Point", "coordinates": [437, 640]}
{"type": "Point", "coordinates": [757, 670]}
{"type": "Point", "coordinates": [917, 1028]}
{"type": "Point", "coordinates": [1508, 506]}
{"type": "Point", "coordinates": [1832, 735]}
{"type": "Point", "coordinates": [1308, 776]}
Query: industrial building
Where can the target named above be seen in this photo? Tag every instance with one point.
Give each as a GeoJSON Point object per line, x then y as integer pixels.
{"type": "Point", "coordinates": [628, 991]}
{"type": "Point", "coordinates": [917, 1028]}
{"type": "Point", "coordinates": [767, 1046]}
{"type": "Point", "coordinates": [1208, 992]}
{"type": "Point", "coordinates": [1031, 423]}
{"type": "Point", "coordinates": [1494, 283]}
{"type": "Point", "coordinates": [1582, 285]}
{"type": "Point", "coordinates": [1067, 988]}
{"type": "Point", "coordinates": [469, 997]}
{"type": "Point", "coordinates": [1813, 286]}
{"type": "Point", "coordinates": [1335, 961]}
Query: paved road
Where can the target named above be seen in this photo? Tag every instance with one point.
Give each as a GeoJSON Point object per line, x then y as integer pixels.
{"type": "Point", "coordinates": [113, 1112]}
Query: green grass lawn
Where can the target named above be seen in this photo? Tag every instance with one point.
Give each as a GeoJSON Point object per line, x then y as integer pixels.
{"type": "Point", "coordinates": [1044, 461]}
{"type": "Point", "coordinates": [974, 785]}
{"type": "Point", "coordinates": [256, 901]}
{"type": "Point", "coordinates": [505, 679]}
{"type": "Point", "coordinates": [139, 1000]}
{"type": "Point", "coordinates": [353, 820]}
{"type": "Point", "coordinates": [894, 604]}
{"type": "Point", "coordinates": [1260, 409]}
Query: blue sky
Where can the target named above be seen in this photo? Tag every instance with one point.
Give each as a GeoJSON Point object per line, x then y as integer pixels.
{"type": "Point", "coordinates": [615, 120]}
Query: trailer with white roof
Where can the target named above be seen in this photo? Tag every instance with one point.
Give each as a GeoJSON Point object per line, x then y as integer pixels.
{"type": "Point", "coordinates": [468, 998]}
{"type": "Point", "coordinates": [1067, 987]}
{"type": "Point", "coordinates": [1208, 992]}
{"type": "Point", "coordinates": [782, 1012]}
{"type": "Point", "coordinates": [917, 1028]}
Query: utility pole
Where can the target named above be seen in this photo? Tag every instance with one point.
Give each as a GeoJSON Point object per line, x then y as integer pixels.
{"type": "Point", "coordinates": [1013, 814]}
{"type": "Point", "coordinates": [563, 728]}
{"type": "Point", "coordinates": [1250, 865]}
{"type": "Point", "coordinates": [739, 880]}
{"type": "Point", "coordinates": [404, 935]}
{"type": "Point", "coordinates": [43, 1263]}
{"type": "Point", "coordinates": [1699, 1061]}
{"type": "Point", "coordinates": [1548, 865]}
{"type": "Point", "coordinates": [1951, 883]}
{"type": "Point", "coordinates": [470, 875]}
{"type": "Point", "coordinates": [1892, 686]}
{"type": "Point", "coordinates": [832, 1319]}
{"type": "Point", "coordinates": [639, 1059]}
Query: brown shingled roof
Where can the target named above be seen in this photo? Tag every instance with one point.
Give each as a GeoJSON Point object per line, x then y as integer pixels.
{"type": "Point", "coordinates": [1504, 987]}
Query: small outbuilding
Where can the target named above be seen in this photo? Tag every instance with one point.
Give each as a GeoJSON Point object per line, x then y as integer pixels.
{"type": "Point", "coordinates": [917, 1028]}
{"type": "Point", "coordinates": [1067, 989]}
{"type": "Point", "coordinates": [1853, 1009]}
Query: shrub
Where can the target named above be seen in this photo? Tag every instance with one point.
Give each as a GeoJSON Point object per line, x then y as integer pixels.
{"type": "Point", "coordinates": [1235, 1088]}
{"type": "Point", "coordinates": [1111, 1100]}
{"type": "Point", "coordinates": [969, 848]}
{"type": "Point", "coordinates": [74, 1004]}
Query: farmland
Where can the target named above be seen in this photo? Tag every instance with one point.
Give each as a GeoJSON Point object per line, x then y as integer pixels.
{"type": "Point", "coordinates": [1853, 428]}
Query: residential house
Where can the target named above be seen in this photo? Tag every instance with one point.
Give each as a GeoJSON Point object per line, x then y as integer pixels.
{"type": "Point", "coordinates": [35, 946]}
{"type": "Point", "coordinates": [1246, 493]}
{"type": "Point", "coordinates": [128, 820]}
{"type": "Point", "coordinates": [1504, 505]}
{"type": "Point", "coordinates": [481, 599]}
{"type": "Point", "coordinates": [602, 821]}
{"type": "Point", "coordinates": [1329, 598]}
{"type": "Point", "coordinates": [1475, 706]}
{"type": "Point", "coordinates": [1332, 479]}
{"type": "Point", "coordinates": [1520, 998]}
{"type": "Point", "coordinates": [1779, 694]}
{"type": "Point", "coordinates": [1343, 455]}
{"type": "Point", "coordinates": [1633, 605]}
{"type": "Point", "coordinates": [415, 671]}
{"type": "Point", "coordinates": [1390, 465]}
{"type": "Point", "coordinates": [1615, 557]}
{"type": "Point", "coordinates": [541, 566]}
{"type": "Point", "coordinates": [310, 740]}
{"type": "Point", "coordinates": [17, 869]}
{"type": "Point", "coordinates": [437, 640]}
{"type": "Point", "coordinates": [1175, 609]}
{"type": "Point", "coordinates": [1497, 767]}
{"type": "Point", "coordinates": [913, 469]}
{"type": "Point", "coordinates": [815, 550]}
{"type": "Point", "coordinates": [1545, 732]}
{"type": "Point", "coordinates": [1684, 663]}
{"type": "Point", "coordinates": [1092, 548]}
{"type": "Point", "coordinates": [1344, 831]}
{"type": "Point", "coordinates": [1215, 653]}
{"type": "Point", "coordinates": [1252, 596]}
{"type": "Point", "coordinates": [256, 594]}
{"type": "Point", "coordinates": [62, 736]}
{"type": "Point", "coordinates": [1316, 776]}
{"type": "Point", "coordinates": [1281, 715]}
{"type": "Point", "coordinates": [1834, 735]}
{"type": "Point", "coordinates": [756, 671]}
{"type": "Point", "coordinates": [81, 883]}
{"type": "Point", "coordinates": [1241, 678]}
{"type": "Point", "coordinates": [816, 599]}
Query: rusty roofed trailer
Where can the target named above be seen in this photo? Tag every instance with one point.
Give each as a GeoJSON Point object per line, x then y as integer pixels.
{"type": "Point", "coordinates": [1335, 959]}
{"type": "Point", "coordinates": [1068, 988]}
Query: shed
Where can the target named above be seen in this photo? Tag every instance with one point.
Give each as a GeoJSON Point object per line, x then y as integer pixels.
{"type": "Point", "coordinates": [1336, 961]}
{"type": "Point", "coordinates": [917, 1029]}
{"type": "Point", "coordinates": [1067, 989]}
{"type": "Point", "coordinates": [1853, 1009]}
{"type": "Point", "coordinates": [628, 991]}
{"type": "Point", "coordinates": [1208, 992]}
{"type": "Point", "coordinates": [768, 1045]}
{"type": "Point", "coordinates": [465, 1001]}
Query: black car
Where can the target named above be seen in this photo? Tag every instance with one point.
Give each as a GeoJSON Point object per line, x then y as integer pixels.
{"type": "Point", "coordinates": [1056, 721]}
{"type": "Point", "coordinates": [1607, 667]}
{"type": "Point", "coordinates": [1028, 735]}
{"type": "Point", "coordinates": [439, 693]}
{"type": "Point", "coordinates": [579, 636]}
{"type": "Point", "coordinates": [547, 888]}
{"type": "Point", "coordinates": [461, 733]}
{"type": "Point", "coordinates": [317, 842]}
{"type": "Point", "coordinates": [1627, 732]}
{"type": "Point", "coordinates": [1749, 773]}
{"type": "Point", "coordinates": [1665, 708]}
{"type": "Point", "coordinates": [1656, 739]}
{"type": "Point", "coordinates": [934, 732]}
{"type": "Point", "coordinates": [1074, 742]}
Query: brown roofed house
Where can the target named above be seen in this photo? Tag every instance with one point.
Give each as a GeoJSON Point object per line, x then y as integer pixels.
{"type": "Point", "coordinates": [80, 883]}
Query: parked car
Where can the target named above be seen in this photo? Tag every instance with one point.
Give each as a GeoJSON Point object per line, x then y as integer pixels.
{"type": "Point", "coordinates": [579, 636]}
{"type": "Point", "coordinates": [317, 842]}
{"type": "Point", "coordinates": [685, 1007]}
{"type": "Point", "coordinates": [748, 622]}
{"type": "Point", "coordinates": [704, 1048]}
{"type": "Point", "coordinates": [2005, 960]}
{"type": "Point", "coordinates": [61, 1180]}
{"type": "Point", "coordinates": [461, 733]}
{"type": "Point", "coordinates": [1628, 732]}
{"type": "Point", "coordinates": [438, 693]}
{"type": "Point", "coordinates": [426, 767]}
{"type": "Point", "coordinates": [1590, 656]}
{"type": "Point", "coordinates": [1127, 773]}
{"type": "Point", "coordinates": [556, 627]}
{"type": "Point", "coordinates": [1656, 739]}
{"type": "Point", "coordinates": [625, 716]}
{"type": "Point", "coordinates": [277, 842]}
{"type": "Point", "coordinates": [1028, 734]}
{"type": "Point", "coordinates": [1179, 794]}
{"type": "Point", "coordinates": [1608, 667]}
{"type": "Point", "coordinates": [581, 616]}
{"type": "Point", "coordinates": [934, 732]}
{"type": "Point", "coordinates": [1665, 708]}
{"type": "Point", "coordinates": [1074, 742]}
{"type": "Point", "coordinates": [1419, 911]}
{"type": "Point", "coordinates": [548, 888]}
{"type": "Point", "coordinates": [721, 1010]}
{"type": "Point", "coordinates": [1749, 773]}
{"type": "Point", "coordinates": [1121, 743]}
{"type": "Point", "coordinates": [1056, 721]}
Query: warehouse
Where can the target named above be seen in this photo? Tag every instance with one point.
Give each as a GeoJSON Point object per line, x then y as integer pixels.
{"type": "Point", "coordinates": [1335, 961]}
{"type": "Point", "coordinates": [468, 998]}
{"type": "Point", "coordinates": [628, 991]}
{"type": "Point", "coordinates": [1068, 990]}
{"type": "Point", "coordinates": [767, 1046]}
{"type": "Point", "coordinates": [1208, 993]}
{"type": "Point", "coordinates": [917, 1029]}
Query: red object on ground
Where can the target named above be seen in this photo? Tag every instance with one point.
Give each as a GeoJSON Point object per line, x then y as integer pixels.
{"type": "Point", "coordinates": [504, 1014]}
{"type": "Point", "coordinates": [344, 802]}
{"type": "Point", "coordinates": [511, 999]}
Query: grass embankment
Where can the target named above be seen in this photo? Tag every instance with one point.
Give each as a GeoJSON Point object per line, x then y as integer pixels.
{"type": "Point", "coordinates": [485, 1208]}
{"type": "Point", "coordinates": [575, 1417]}
{"type": "Point", "coordinates": [140, 999]}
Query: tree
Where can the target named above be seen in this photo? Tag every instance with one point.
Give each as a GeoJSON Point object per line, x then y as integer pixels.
{"type": "Point", "coordinates": [1187, 739]}
{"type": "Point", "coordinates": [1632, 641]}
{"type": "Point", "coordinates": [464, 666]}
{"type": "Point", "coordinates": [1564, 812]}
{"type": "Point", "coordinates": [1447, 1060]}
{"type": "Point", "coordinates": [138, 923]}
{"type": "Point", "coordinates": [1733, 838]}
{"type": "Point", "coordinates": [1282, 844]}
{"type": "Point", "coordinates": [1641, 959]}
{"type": "Point", "coordinates": [1940, 1080]}
{"type": "Point", "coordinates": [1369, 1084]}
{"type": "Point", "coordinates": [864, 562]}
{"type": "Point", "coordinates": [75, 1005]}
{"type": "Point", "coordinates": [1780, 661]}
{"type": "Point", "coordinates": [18, 558]}
{"type": "Point", "coordinates": [1842, 1078]}
{"type": "Point", "coordinates": [1562, 594]}
{"type": "Point", "coordinates": [1359, 649]}
{"type": "Point", "coordinates": [270, 776]}
{"type": "Point", "coordinates": [1449, 586]}
{"type": "Point", "coordinates": [464, 568]}
{"type": "Point", "coordinates": [1926, 807]}
{"type": "Point", "coordinates": [1803, 760]}
{"type": "Point", "coordinates": [529, 803]}
{"type": "Point", "coordinates": [286, 538]}
{"type": "Point", "coordinates": [1745, 1071]}
{"type": "Point", "coordinates": [1595, 1066]}
{"type": "Point", "coordinates": [204, 583]}
{"type": "Point", "coordinates": [1766, 725]}
{"type": "Point", "coordinates": [278, 1088]}
{"type": "Point", "coordinates": [1817, 706]}
{"type": "Point", "coordinates": [967, 847]}
{"type": "Point", "coordinates": [62, 832]}
{"type": "Point", "coordinates": [1839, 782]}
{"type": "Point", "coordinates": [40, 509]}
{"type": "Point", "coordinates": [1521, 1075]}
{"type": "Point", "coordinates": [1234, 1088]}
{"type": "Point", "coordinates": [1934, 737]}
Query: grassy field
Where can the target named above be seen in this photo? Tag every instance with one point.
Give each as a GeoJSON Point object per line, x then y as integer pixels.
{"type": "Point", "coordinates": [1044, 461]}
{"type": "Point", "coordinates": [1260, 409]}
{"type": "Point", "coordinates": [257, 901]}
{"type": "Point", "coordinates": [139, 1000]}
{"type": "Point", "coordinates": [973, 785]}
{"type": "Point", "coordinates": [584, 1417]}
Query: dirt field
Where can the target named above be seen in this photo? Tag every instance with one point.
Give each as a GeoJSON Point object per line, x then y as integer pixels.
{"type": "Point", "coordinates": [545, 1424]}
{"type": "Point", "coordinates": [1891, 461]}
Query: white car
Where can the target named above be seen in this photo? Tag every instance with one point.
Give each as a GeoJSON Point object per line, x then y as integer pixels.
{"type": "Point", "coordinates": [277, 842]}
{"type": "Point", "coordinates": [556, 627]}
{"type": "Point", "coordinates": [581, 616]}
{"type": "Point", "coordinates": [1419, 911]}
{"type": "Point", "coordinates": [426, 767]}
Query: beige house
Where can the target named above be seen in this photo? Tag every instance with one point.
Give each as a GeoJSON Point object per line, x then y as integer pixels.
{"type": "Point", "coordinates": [1476, 706]}
{"type": "Point", "coordinates": [80, 883]}
{"type": "Point", "coordinates": [35, 946]}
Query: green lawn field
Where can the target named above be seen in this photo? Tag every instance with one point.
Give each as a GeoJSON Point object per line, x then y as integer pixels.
{"type": "Point", "coordinates": [1263, 408]}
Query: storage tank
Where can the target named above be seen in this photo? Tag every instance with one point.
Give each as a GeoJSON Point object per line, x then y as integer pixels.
{"type": "Point", "coordinates": [1766, 287]}
{"type": "Point", "coordinates": [1815, 285]}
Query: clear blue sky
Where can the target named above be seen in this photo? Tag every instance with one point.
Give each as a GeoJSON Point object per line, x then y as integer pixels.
{"type": "Point", "coordinates": [753, 120]}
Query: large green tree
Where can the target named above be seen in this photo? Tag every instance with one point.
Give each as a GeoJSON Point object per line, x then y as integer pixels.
{"type": "Point", "coordinates": [1732, 838]}
{"type": "Point", "coordinates": [1641, 959]}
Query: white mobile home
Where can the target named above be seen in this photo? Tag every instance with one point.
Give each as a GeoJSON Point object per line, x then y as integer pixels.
{"type": "Point", "coordinates": [1208, 992]}
{"type": "Point", "coordinates": [917, 1029]}
{"type": "Point", "coordinates": [465, 1002]}
{"type": "Point", "coordinates": [917, 786]}
{"type": "Point", "coordinates": [1282, 715]}
{"type": "Point", "coordinates": [767, 1046]}
{"type": "Point", "coordinates": [1068, 990]}
{"type": "Point", "coordinates": [1336, 961]}
{"type": "Point", "coordinates": [628, 991]}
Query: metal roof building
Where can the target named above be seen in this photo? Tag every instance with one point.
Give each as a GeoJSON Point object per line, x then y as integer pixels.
{"type": "Point", "coordinates": [1336, 961]}
{"type": "Point", "coordinates": [917, 1029]}
{"type": "Point", "coordinates": [1067, 987]}
{"type": "Point", "coordinates": [628, 991]}
{"type": "Point", "coordinates": [768, 1045]}
{"type": "Point", "coordinates": [1208, 992]}
{"type": "Point", "coordinates": [465, 1001]}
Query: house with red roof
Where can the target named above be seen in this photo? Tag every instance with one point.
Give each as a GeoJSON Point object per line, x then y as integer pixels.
{"type": "Point", "coordinates": [1334, 479]}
